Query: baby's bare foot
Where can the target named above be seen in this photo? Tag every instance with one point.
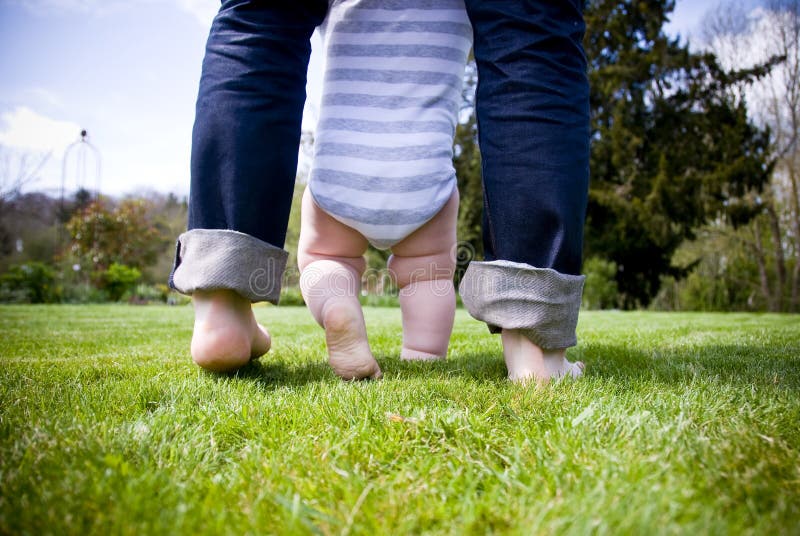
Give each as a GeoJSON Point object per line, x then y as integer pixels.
{"type": "Point", "coordinates": [346, 336]}
{"type": "Point", "coordinates": [527, 362]}
{"type": "Point", "coordinates": [226, 335]}
{"type": "Point", "coordinates": [407, 354]}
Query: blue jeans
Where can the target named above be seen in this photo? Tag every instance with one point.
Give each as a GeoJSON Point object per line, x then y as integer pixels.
{"type": "Point", "coordinates": [249, 109]}
{"type": "Point", "coordinates": [533, 126]}
{"type": "Point", "coordinates": [533, 121]}
{"type": "Point", "coordinates": [244, 147]}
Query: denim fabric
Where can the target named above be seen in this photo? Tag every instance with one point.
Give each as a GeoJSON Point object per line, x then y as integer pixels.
{"type": "Point", "coordinates": [244, 146]}
{"type": "Point", "coordinates": [541, 302]}
{"type": "Point", "coordinates": [249, 109]}
{"type": "Point", "coordinates": [210, 259]}
{"type": "Point", "coordinates": [533, 121]}
{"type": "Point", "coordinates": [533, 127]}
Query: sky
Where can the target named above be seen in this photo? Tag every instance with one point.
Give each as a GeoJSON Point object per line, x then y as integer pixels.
{"type": "Point", "coordinates": [127, 71]}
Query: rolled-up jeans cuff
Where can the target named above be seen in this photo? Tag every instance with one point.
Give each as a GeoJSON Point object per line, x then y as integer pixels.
{"type": "Point", "coordinates": [540, 302]}
{"type": "Point", "coordinates": [214, 259]}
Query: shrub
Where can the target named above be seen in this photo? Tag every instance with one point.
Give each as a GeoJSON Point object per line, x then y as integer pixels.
{"type": "Point", "coordinates": [33, 282]}
{"type": "Point", "coordinates": [176, 298]}
{"type": "Point", "coordinates": [144, 293]}
{"type": "Point", "coordinates": [291, 296]}
{"type": "Point", "coordinates": [600, 289]}
{"type": "Point", "coordinates": [82, 292]}
{"type": "Point", "coordinates": [379, 300]}
{"type": "Point", "coordinates": [118, 279]}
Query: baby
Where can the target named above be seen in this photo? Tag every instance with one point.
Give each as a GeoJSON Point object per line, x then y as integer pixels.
{"type": "Point", "coordinates": [383, 173]}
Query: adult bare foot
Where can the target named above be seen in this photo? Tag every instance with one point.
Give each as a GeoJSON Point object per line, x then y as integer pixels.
{"type": "Point", "coordinates": [528, 362]}
{"type": "Point", "coordinates": [346, 336]}
{"type": "Point", "coordinates": [226, 335]}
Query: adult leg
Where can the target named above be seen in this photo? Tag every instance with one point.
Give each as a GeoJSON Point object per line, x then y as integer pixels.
{"type": "Point", "coordinates": [533, 121]}
{"type": "Point", "coordinates": [244, 160]}
{"type": "Point", "coordinates": [331, 259]}
{"type": "Point", "coordinates": [422, 266]}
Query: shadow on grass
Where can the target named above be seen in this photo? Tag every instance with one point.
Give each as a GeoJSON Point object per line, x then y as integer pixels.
{"type": "Point", "coordinates": [735, 364]}
{"type": "Point", "coordinates": [740, 365]}
{"type": "Point", "coordinates": [275, 374]}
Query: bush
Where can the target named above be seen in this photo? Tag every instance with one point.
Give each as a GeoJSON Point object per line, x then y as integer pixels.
{"type": "Point", "coordinates": [379, 300]}
{"type": "Point", "coordinates": [600, 289]}
{"type": "Point", "coordinates": [176, 298]}
{"type": "Point", "coordinates": [697, 292]}
{"type": "Point", "coordinates": [84, 293]}
{"type": "Point", "coordinates": [144, 293]}
{"type": "Point", "coordinates": [33, 282]}
{"type": "Point", "coordinates": [291, 296]}
{"type": "Point", "coordinates": [118, 279]}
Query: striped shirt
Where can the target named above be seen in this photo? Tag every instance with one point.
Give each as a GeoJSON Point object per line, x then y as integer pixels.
{"type": "Point", "coordinates": [384, 142]}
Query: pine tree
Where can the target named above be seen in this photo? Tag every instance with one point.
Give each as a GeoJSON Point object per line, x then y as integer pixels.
{"type": "Point", "coordinates": [672, 146]}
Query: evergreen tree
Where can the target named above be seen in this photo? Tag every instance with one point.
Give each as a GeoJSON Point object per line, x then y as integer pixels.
{"type": "Point", "coordinates": [672, 146]}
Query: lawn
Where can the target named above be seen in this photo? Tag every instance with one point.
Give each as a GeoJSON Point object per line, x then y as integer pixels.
{"type": "Point", "coordinates": [684, 423]}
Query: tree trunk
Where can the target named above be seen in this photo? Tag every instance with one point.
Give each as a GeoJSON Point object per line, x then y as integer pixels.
{"type": "Point", "coordinates": [780, 258]}
{"type": "Point", "coordinates": [793, 307]}
{"type": "Point", "coordinates": [795, 204]}
{"type": "Point", "coordinates": [762, 268]}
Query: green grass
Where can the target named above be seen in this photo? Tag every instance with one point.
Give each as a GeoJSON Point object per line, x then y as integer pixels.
{"type": "Point", "coordinates": [684, 423]}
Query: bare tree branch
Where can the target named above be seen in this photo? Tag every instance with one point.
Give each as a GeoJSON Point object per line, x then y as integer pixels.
{"type": "Point", "coordinates": [19, 170]}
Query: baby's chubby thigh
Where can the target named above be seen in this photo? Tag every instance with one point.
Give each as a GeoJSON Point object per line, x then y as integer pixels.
{"type": "Point", "coordinates": [429, 252]}
{"type": "Point", "coordinates": [322, 237]}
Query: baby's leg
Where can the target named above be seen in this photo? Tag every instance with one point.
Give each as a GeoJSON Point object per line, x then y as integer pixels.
{"type": "Point", "coordinates": [423, 265]}
{"type": "Point", "coordinates": [331, 260]}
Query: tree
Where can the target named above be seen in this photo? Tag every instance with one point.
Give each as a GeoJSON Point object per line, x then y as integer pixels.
{"type": "Point", "coordinates": [740, 40]}
{"type": "Point", "coordinates": [600, 288]}
{"type": "Point", "coordinates": [118, 279]}
{"type": "Point", "coordinates": [672, 145]}
{"type": "Point", "coordinates": [167, 213]}
{"type": "Point", "coordinates": [33, 282]}
{"type": "Point", "coordinates": [17, 170]}
{"type": "Point", "coordinates": [723, 273]}
{"type": "Point", "coordinates": [102, 235]}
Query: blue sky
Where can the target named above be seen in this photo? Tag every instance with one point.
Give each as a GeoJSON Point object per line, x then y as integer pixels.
{"type": "Point", "coordinates": [127, 71]}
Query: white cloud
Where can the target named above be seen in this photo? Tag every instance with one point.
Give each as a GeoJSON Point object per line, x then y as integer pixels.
{"type": "Point", "coordinates": [24, 129]}
{"type": "Point", "coordinates": [26, 136]}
